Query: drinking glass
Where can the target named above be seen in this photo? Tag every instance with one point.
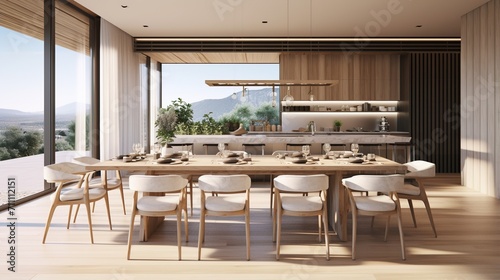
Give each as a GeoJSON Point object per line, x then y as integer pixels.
{"type": "Point", "coordinates": [327, 147]}
{"type": "Point", "coordinates": [157, 148]}
{"type": "Point", "coordinates": [221, 147]}
{"type": "Point", "coordinates": [354, 148]}
{"type": "Point", "coordinates": [305, 150]}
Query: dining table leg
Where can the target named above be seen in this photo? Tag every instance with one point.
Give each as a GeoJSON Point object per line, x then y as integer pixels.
{"type": "Point", "coordinates": [338, 206]}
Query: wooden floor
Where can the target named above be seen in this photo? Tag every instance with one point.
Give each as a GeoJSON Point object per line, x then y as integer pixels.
{"type": "Point", "coordinates": [467, 246]}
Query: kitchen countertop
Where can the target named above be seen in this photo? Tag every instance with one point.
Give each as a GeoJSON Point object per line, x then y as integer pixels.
{"type": "Point", "coordinates": [299, 137]}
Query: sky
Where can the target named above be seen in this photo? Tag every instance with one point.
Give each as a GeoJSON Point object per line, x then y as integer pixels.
{"type": "Point", "coordinates": [188, 80]}
{"type": "Point", "coordinates": [21, 73]}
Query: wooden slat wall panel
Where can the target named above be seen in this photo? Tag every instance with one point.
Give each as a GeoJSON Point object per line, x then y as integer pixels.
{"type": "Point", "coordinates": [26, 17]}
{"type": "Point", "coordinates": [373, 76]}
{"type": "Point", "coordinates": [480, 139]}
{"type": "Point", "coordinates": [434, 98]}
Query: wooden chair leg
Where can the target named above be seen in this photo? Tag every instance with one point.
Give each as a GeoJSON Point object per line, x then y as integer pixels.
{"type": "Point", "coordinates": [354, 234]}
{"type": "Point", "coordinates": [247, 232]}
{"type": "Point", "coordinates": [179, 235]}
{"type": "Point", "coordinates": [130, 233]}
{"type": "Point", "coordinates": [201, 234]}
{"type": "Point", "coordinates": [278, 233]}
{"type": "Point", "coordinates": [106, 201]}
{"type": "Point", "coordinates": [47, 225]}
{"type": "Point", "coordinates": [410, 203]}
{"type": "Point", "coordinates": [327, 239]}
{"type": "Point", "coordinates": [429, 213]}
{"type": "Point", "coordinates": [401, 237]}
{"type": "Point", "coordinates": [89, 218]}
{"type": "Point", "coordinates": [123, 199]}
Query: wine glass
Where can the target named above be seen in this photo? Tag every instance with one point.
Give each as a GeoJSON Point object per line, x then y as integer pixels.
{"type": "Point", "coordinates": [136, 148]}
{"type": "Point", "coordinates": [156, 147]}
{"type": "Point", "coordinates": [354, 148]}
{"type": "Point", "coordinates": [327, 147]}
{"type": "Point", "coordinates": [221, 147]}
{"type": "Point", "coordinates": [305, 150]}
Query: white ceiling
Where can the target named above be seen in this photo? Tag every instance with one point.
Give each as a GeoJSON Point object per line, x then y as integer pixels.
{"type": "Point", "coordinates": [285, 18]}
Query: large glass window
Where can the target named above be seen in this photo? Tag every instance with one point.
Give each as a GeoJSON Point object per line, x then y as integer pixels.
{"type": "Point", "coordinates": [73, 86]}
{"type": "Point", "coordinates": [251, 105]}
{"type": "Point", "coordinates": [21, 91]}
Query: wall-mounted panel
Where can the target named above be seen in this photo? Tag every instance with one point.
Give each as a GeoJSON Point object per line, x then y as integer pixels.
{"type": "Point", "coordinates": [361, 76]}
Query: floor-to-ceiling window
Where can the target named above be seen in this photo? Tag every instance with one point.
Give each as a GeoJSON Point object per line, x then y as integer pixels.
{"type": "Point", "coordinates": [21, 92]}
{"type": "Point", "coordinates": [73, 87]}
{"type": "Point", "coordinates": [22, 108]}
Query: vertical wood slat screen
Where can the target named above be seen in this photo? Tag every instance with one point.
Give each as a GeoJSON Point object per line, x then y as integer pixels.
{"type": "Point", "coordinates": [435, 108]}
{"type": "Point", "coordinates": [480, 90]}
{"type": "Point", "coordinates": [26, 17]}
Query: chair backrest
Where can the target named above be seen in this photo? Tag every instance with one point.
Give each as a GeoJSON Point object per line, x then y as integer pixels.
{"type": "Point", "coordinates": [420, 168]}
{"type": "Point", "coordinates": [63, 172]}
{"type": "Point", "coordinates": [86, 160]}
{"type": "Point", "coordinates": [224, 183]}
{"type": "Point", "coordinates": [154, 183]}
{"type": "Point", "coordinates": [301, 183]}
{"type": "Point", "coordinates": [379, 183]}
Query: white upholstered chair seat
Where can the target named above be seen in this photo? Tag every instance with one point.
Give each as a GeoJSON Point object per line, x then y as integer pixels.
{"type": "Point", "coordinates": [70, 193]}
{"type": "Point", "coordinates": [157, 203]}
{"type": "Point", "coordinates": [409, 189]}
{"type": "Point", "coordinates": [301, 203]}
{"type": "Point", "coordinates": [97, 183]}
{"type": "Point", "coordinates": [375, 203]}
{"type": "Point", "coordinates": [225, 203]}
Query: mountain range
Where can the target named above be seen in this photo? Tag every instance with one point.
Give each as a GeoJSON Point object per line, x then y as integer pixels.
{"type": "Point", "coordinates": [218, 107]}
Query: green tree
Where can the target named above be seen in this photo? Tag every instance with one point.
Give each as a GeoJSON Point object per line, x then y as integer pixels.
{"type": "Point", "coordinates": [267, 112]}
{"type": "Point", "coordinates": [19, 143]}
{"type": "Point", "coordinates": [184, 112]}
{"type": "Point", "coordinates": [70, 136]}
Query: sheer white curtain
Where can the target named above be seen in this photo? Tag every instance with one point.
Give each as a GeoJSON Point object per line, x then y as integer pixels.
{"type": "Point", "coordinates": [155, 83]}
{"type": "Point", "coordinates": [120, 92]}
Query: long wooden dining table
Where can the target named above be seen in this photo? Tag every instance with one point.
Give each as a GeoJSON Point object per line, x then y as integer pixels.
{"type": "Point", "coordinates": [336, 169]}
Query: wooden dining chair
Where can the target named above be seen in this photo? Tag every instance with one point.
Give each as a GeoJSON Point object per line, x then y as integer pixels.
{"type": "Point", "coordinates": [171, 203]}
{"type": "Point", "coordinates": [73, 183]}
{"type": "Point", "coordinates": [102, 181]}
{"type": "Point", "coordinates": [414, 189]}
{"type": "Point", "coordinates": [233, 199]}
{"type": "Point", "coordinates": [291, 201]}
{"type": "Point", "coordinates": [385, 203]}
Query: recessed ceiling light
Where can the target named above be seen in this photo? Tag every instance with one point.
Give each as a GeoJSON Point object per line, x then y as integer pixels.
{"type": "Point", "coordinates": [145, 25]}
{"type": "Point", "coordinates": [418, 26]}
{"type": "Point", "coordinates": [264, 21]}
{"type": "Point", "coordinates": [124, 6]}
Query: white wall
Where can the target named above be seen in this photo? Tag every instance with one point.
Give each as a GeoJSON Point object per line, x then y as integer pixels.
{"type": "Point", "coordinates": [480, 99]}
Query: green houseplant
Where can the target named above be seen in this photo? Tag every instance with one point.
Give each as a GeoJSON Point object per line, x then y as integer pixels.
{"type": "Point", "coordinates": [165, 125]}
{"type": "Point", "coordinates": [336, 125]}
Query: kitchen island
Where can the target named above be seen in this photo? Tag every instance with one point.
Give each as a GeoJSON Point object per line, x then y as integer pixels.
{"type": "Point", "coordinates": [278, 140]}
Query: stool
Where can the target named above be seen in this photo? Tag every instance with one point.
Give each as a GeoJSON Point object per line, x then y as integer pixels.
{"type": "Point", "coordinates": [261, 145]}
{"type": "Point", "coordinates": [370, 145]}
{"type": "Point", "coordinates": [206, 145]}
{"type": "Point", "coordinates": [341, 146]}
{"type": "Point", "coordinates": [407, 149]}
{"type": "Point", "coordinates": [296, 145]}
{"type": "Point", "coordinates": [189, 146]}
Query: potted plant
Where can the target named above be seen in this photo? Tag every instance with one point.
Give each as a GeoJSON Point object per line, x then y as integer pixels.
{"type": "Point", "coordinates": [336, 125]}
{"type": "Point", "coordinates": [165, 127]}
